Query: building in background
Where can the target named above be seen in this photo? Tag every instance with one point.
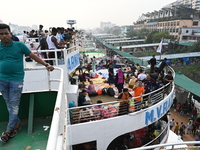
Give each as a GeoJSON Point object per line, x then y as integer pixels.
{"type": "Point", "coordinates": [180, 20]}
{"type": "Point", "coordinates": [19, 29]}
{"type": "Point", "coordinates": [194, 4]}
{"type": "Point", "coordinates": [104, 25]}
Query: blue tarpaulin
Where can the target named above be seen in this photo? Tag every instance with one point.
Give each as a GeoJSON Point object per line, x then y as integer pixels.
{"type": "Point", "coordinates": [187, 60]}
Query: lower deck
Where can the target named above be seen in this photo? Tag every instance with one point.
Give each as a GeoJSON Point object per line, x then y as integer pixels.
{"type": "Point", "coordinates": [34, 111]}
{"type": "Point", "coordinates": [24, 141]}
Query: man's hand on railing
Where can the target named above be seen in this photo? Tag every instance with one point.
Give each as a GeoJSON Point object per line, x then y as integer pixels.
{"type": "Point", "coordinates": [49, 67]}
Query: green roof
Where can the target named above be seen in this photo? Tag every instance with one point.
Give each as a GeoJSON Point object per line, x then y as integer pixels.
{"type": "Point", "coordinates": [187, 84]}
{"type": "Point", "coordinates": [132, 58]}
{"type": "Point", "coordinates": [100, 40]}
{"type": "Point", "coordinates": [124, 54]}
{"type": "Point", "coordinates": [186, 44]}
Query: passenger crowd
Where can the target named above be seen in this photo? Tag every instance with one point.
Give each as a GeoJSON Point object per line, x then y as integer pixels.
{"type": "Point", "coordinates": [193, 125]}
{"type": "Point", "coordinates": [131, 83]}
{"type": "Point", "coordinates": [55, 38]}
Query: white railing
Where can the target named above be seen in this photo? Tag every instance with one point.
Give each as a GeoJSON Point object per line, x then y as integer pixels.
{"type": "Point", "coordinates": [169, 144]}
{"type": "Point", "coordinates": [58, 128]}
{"type": "Point", "coordinates": [58, 125]}
{"type": "Point", "coordinates": [159, 138]}
{"type": "Point", "coordinates": [148, 100]}
{"type": "Point", "coordinates": [56, 60]}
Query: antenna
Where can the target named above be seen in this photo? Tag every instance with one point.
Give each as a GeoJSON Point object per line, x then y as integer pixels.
{"type": "Point", "coordinates": [71, 22]}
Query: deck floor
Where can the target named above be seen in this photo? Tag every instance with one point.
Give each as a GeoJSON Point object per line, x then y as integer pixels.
{"type": "Point", "coordinates": [24, 141]}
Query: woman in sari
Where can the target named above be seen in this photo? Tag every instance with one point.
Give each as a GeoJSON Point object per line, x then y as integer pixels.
{"type": "Point", "coordinates": [94, 63]}
{"type": "Point", "coordinates": [110, 112]}
{"type": "Point", "coordinates": [119, 80]}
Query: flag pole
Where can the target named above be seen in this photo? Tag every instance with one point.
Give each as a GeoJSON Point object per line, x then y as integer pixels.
{"type": "Point", "coordinates": [159, 50]}
{"type": "Point", "coordinates": [160, 56]}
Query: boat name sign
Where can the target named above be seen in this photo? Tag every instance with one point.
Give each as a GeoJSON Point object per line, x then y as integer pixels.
{"type": "Point", "coordinates": [73, 62]}
{"type": "Point", "coordinates": [157, 112]}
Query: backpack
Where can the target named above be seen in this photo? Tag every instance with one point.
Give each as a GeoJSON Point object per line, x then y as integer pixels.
{"type": "Point", "coordinates": [92, 93]}
{"type": "Point", "coordinates": [110, 92]}
{"type": "Point", "coordinates": [104, 91]}
{"type": "Point", "coordinates": [182, 127]}
{"type": "Point", "coordinates": [73, 81]}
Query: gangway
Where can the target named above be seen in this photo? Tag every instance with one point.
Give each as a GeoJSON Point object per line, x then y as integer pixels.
{"type": "Point", "coordinates": [102, 34]}
{"type": "Point", "coordinates": [173, 56]}
{"type": "Point", "coordinates": [117, 39]}
{"type": "Point", "coordinates": [142, 45]}
{"type": "Point", "coordinates": [126, 41]}
{"type": "Point", "coordinates": [109, 36]}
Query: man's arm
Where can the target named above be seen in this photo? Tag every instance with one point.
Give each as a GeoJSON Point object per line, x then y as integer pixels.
{"type": "Point", "coordinates": [62, 39]}
{"type": "Point", "coordinates": [168, 79]}
{"type": "Point", "coordinates": [130, 94]}
{"type": "Point", "coordinates": [120, 97]}
{"type": "Point", "coordinates": [39, 60]}
{"type": "Point", "coordinates": [38, 47]}
{"type": "Point", "coordinates": [134, 87]}
{"type": "Point", "coordinates": [54, 40]}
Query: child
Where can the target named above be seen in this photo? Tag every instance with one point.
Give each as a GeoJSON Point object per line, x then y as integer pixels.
{"type": "Point", "coordinates": [88, 77]}
{"type": "Point", "coordinates": [127, 78]}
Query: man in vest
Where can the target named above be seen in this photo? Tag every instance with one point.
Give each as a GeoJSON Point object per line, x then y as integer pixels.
{"type": "Point", "coordinates": [52, 43]}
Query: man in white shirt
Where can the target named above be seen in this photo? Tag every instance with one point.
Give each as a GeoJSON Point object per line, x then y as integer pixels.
{"type": "Point", "coordinates": [53, 44]}
{"type": "Point", "coordinates": [92, 74]}
{"type": "Point", "coordinates": [57, 35]}
{"type": "Point", "coordinates": [25, 37]}
{"type": "Point", "coordinates": [142, 76]}
{"type": "Point", "coordinates": [171, 124]}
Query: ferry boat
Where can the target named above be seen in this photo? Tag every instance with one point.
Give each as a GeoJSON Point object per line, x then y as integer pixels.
{"type": "Point", "coordinates": [89, 46]}
{"type": "Point", "coordinates": [46, 122]}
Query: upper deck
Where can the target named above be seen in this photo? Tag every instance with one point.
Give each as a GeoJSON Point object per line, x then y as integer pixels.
{"type": "Point", "coordinates": [111, 127]}
{"type": "Point", "coordinates": [62, 133]}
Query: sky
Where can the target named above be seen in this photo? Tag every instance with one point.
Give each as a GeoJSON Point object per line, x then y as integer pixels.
{"type": "Point", "coordinates": [87, 13]}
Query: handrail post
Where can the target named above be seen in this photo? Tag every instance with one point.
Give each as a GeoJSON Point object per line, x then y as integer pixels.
{"type": "Point", "coordinates": [56, 57]}
{"type": "Point", "coordinates": [48, 80]}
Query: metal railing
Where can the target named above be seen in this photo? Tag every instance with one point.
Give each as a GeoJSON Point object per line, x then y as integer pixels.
{"type": "Point", "coordinates": [159, 138]}
{"type": "Point", "coordinates": [117, 108]}
{"type": "Point", "coordinates": [58, 125]}
{"type": "Point", "coordinates": [171, 145]}
{"type": "Point", "coordinates": [57, 61]}
{"type": "Point", "coordinates": [59, 112]}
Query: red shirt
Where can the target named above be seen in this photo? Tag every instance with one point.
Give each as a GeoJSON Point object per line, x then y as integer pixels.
{"type": "Point", "coordinates": [89, 66]}
{"type": "Point", "coordinates": [194, 112]}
